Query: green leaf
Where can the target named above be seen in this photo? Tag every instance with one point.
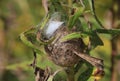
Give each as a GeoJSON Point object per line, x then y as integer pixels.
{"type": "Point", "coordinates": [29, 43]}
{"type": "Point", "coordinates": [78, 25]}
{"type": "Point", "coordinates": [73, 36]}
{"type": "Point", "coordinates": [14, 66]}
{"type": "Point", "coordinates": [112, 32]}
{"type": "Point", "coordinates": [25, 40]}
{"type": "Point", "coordinates": [74, 18]}
{"type": "Point", "coordinates": [78, 66]}
{"type": "Point", "coordinates": [44, 22]}
{"type": "Point", "coordinates": [84, 25]}
{"type": "Point", "coordinates": [85, 3]}
{"type": "Point", "coordinates": [95, 40]}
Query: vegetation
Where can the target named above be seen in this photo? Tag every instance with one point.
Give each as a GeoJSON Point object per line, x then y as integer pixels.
{"type": "Point", "coordinates": [86, 15]}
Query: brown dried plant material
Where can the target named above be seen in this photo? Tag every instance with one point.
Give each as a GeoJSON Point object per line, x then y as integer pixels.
{"type": "Point", "coordinates": [45, 5]}
{"type": "Point", "coordinates": [40, 74]}
{"type": "Point", "coordinates": [68, 53]}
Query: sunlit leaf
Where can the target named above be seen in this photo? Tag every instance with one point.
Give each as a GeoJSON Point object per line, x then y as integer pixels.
{"type": "Point", "coordinates": [44, 22]}
{"type": "Point", "coordinates": [73, 36]}
{"type": "Point", "coordinates": [94, 39]}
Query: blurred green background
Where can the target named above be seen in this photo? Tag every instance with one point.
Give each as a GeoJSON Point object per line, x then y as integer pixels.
{"type": "Point", "coordinates": [17, 16]}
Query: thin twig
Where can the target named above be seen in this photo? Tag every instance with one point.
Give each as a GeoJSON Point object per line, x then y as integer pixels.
{"type": "Point", "coordinates": [114, 42]}
{"type": "Point", "coordinates": [45, 5]}
{"type": "Point", "coordinates": [94, 14]}
{"type": "Point", "coordinates": [113, 54]}
{"type": "Point", "coordinates": [87, 20]}
{"type": "Point", "coordinates": [33, 64]}
{"type": "Point", "coordinates": [81, 1]}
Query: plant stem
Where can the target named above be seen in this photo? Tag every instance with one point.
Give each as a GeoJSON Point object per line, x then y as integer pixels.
{"type": "Point", "coordinates": [70, 5]}
{"type": "Point", "coordinates": [113, 72]}
{"type": "Point", "coordinates": [114, 41]}
{"type": "Point", "coordinates": [70, 73]}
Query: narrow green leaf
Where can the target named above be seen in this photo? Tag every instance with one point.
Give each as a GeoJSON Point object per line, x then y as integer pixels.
{"type": "Point", "coordinates": [44, 22]}
{"type": "Point", "coordinates": [25, 40]}
{"type": "Point", "coordinates": [21, 65]}
{"type": "Point", "coordinates": [74, 18]}
{"type": "Point", "coordinates": [86, 74]}
{"type": "Point", "coordinates": [112, 32]}
{"type": "Point", "coordinates": [29, 43]}
{"type": "Point", "coordinates": [78, 25]}
{"type": "Point", "coordinates": [78, 66]}
{"type": "Point", "coordinates": [73, 36]}
{"type": "Point", "coordinates": [84, 25]}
